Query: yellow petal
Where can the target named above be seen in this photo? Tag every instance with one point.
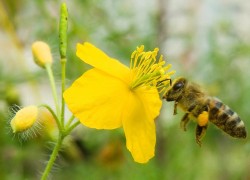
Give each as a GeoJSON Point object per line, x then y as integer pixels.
{"type": "Point", "coordinates": [142, 108]}
{"type": "Point", "coordinates": [97, 99]}
{"type": "Point", "coordinates": [98, 59]}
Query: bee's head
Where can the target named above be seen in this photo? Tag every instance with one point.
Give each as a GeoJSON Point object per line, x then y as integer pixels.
{"type": "Point", "coordinates": [174, 92]}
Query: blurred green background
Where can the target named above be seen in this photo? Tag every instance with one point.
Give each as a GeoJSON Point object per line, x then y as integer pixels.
{"type": "Point", "coordinates": [205, 41]}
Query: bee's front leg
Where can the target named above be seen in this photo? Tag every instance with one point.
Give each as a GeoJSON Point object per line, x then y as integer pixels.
{"type": "Point", "coordinates": [185, 119]}
{"type": "Point", "coordinates": [175, 107]}
{"type": "Point", "coordinates": [200, 133]}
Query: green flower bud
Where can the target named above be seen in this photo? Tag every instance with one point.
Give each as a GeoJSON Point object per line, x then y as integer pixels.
{"type": "Point", "coordinates": [63, 27]}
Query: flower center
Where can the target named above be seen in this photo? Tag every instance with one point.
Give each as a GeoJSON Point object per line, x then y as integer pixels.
{"type": "Point", "coordinates": [148, 71]}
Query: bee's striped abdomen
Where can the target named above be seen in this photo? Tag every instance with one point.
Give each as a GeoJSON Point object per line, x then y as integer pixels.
{"type": "Point", "coordinates": [226, 119]}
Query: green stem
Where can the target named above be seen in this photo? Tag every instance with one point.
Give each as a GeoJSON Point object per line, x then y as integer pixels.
{"type": "Point", "coordinates": [70, 121]}
{"type": "Point", "coordinates": [53, 87]}
{"type": "Point", "coordinates": [63, 64]}
{"type": "Point", "coordinates": [53, 114]}
{"type": "Point", "coordinates": [71, 127]}
{"type": "Point", "coordinates": [56, 150]}
{"type": "Point", "coordinates": [52, 157]}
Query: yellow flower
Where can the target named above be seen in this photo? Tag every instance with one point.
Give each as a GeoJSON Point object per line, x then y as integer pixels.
{"type": "Point", "coordinates": [112, 95]}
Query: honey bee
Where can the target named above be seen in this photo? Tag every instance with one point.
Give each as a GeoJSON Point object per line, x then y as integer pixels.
{"type": "Point", "coordinates": [203, 108]}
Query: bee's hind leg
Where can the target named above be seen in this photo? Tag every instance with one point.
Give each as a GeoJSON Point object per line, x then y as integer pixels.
{"type": "Point", "coordinates": [200, 133]}
{"type": "Point", "coordinates": [184, 121]}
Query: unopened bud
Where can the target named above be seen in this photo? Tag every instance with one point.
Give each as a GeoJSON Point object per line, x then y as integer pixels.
{"type": "Point", "coordinates": [41, 53]}
{"type": "Point", "coordinates": [24, 119]}
{"type": "Point", "coordinates": [63, 28]}
{"type": "Point", "coordinates": [48, 123]}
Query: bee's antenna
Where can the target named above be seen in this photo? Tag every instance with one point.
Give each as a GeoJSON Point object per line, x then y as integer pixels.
{"type": "Point", "coordinates": [170, 81]}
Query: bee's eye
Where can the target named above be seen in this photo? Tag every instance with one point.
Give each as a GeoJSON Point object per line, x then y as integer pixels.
{"type": "Point", "coordinates": [178, 86]}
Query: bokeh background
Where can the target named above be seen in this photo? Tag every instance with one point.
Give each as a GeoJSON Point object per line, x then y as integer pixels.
{"type": "Point", "coordinates": [206, 41]}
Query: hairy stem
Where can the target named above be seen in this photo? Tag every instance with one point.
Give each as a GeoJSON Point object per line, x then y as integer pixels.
{"type": "Point", "coordinates": [53, 114]}
{"type": "Point", "coordinates": [67, 131]}
{"type": "Point", "coordinates": [53, 157]}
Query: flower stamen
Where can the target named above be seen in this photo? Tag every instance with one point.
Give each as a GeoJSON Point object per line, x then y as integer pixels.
{"type": "Point", "coordinates": [148, 71]}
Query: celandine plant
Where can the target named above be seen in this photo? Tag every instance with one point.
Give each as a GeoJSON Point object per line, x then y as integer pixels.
{"type": "Point", "coordinates": [108, 96]}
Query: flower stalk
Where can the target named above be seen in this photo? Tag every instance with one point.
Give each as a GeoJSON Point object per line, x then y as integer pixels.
{"type": "Point", "coordinates": [53, 157]}
{"type": "Point", "coordinates": [63, 68]}
{"type": "Point", "coordinates": [64, 130]}
{"type": "Point", "coordinates": [53, 87]}
{"type": "Point", "coordinates": [63, 28]}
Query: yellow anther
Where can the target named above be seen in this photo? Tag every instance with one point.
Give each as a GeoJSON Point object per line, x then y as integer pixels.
{"type": "Point", "coordinates": [140, 49]}
{"type": "Point", "coordinates": [167, 67]}
{"type": "Point", "coordinates": [161, 63]}
{"type": "Point", "coordinates": [162, 72]}
{"type": "Point", "coordinates": [156, 50]}
{"type": "Point", "coordinates": [154, 67]}
{"type": "Point", "coordinates": [161, 59]}
{"type": "Point", "coordinates": [171, 73]}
